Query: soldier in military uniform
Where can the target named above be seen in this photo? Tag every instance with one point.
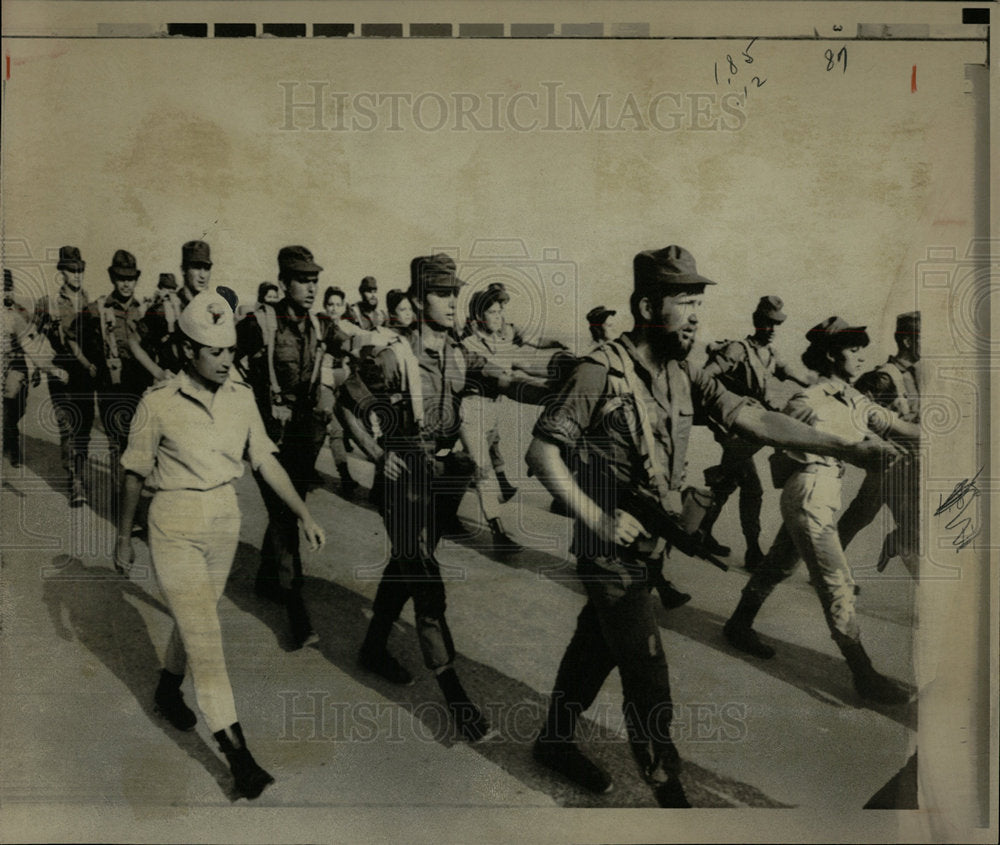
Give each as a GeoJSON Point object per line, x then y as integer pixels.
{"type": "Point", "coordinates": [414, 388]}
{"type": "Point", "coordinates": [107, 339]}
{"type": "Point", "coordinates": [810, 499]}
{"type": "Point", "coordinates": [70, 382]}
{"type": "Point", "coordinates": [289, 405]}
{"type": "Point", "coordinates": [481, 414]}
{"type": "Point", "coordinates": [601, 324]}
{"type": "Point", "coordinates": [746, 367]}
{"type": "Point", "coordinates": [17, 331]}
{"type": "Point", "coordinates": [188, 445]}
{"type": "Point", "coordinates": [158, 324]}
{"type": "Point", "coordinates": [365, 313]}
{"type": "Point", "coordinates": [899, 390]}
{"type": "Point", "coordinates": [631, 416]}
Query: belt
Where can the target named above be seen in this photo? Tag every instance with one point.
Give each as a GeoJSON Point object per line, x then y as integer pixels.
{"type": "Point", "coordinates": [823, 469]}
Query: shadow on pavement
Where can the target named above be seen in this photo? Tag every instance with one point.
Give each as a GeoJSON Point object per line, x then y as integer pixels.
{"type": "Point", "coordinates": [90, 604]}
{"type": "Point", "coordinates": [825, 678]}
{"type": "Point", "coordinates": [341, 616]}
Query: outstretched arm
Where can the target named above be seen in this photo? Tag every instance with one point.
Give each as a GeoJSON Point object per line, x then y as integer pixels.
{"type": "Point", "coordinates": [777, 429]}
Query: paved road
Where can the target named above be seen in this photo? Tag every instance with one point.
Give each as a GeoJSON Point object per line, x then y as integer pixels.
{"type": "Point", "coordinates": [81, 646]}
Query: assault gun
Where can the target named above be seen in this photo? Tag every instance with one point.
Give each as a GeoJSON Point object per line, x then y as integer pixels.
{"type": "Point", "coordinates": [661, 523]}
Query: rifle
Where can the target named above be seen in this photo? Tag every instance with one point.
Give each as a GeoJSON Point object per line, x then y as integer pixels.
{"type": "Point", "coordinates": [661, 523]}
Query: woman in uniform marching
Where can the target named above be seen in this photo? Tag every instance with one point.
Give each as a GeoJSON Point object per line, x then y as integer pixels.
{"type": "Point", "coordinates": [811, 498]}
{"type": "Point", "coordinates": [188, 442]}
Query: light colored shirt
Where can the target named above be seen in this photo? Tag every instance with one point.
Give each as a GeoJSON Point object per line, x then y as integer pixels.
{"type": "Point", "coordinates": [837, 408]}
{"type": "Point", "coordinates": [185, 437]}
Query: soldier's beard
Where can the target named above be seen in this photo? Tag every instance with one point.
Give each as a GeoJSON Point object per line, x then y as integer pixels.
{"type": "Point", "coordinates": [672, 346]}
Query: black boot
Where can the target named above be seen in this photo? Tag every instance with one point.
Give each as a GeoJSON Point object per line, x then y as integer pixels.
{"type": "Point", "coordinates": [670, 596]}
{"type": "Point", "coordinates": [754, 556]}
{"type": "Point", "coordinates": [739, 631]}
{"type": "Point", "coordinates": [470, 721]}
{"type": "Point", "coordinates": [670, 793]}
{"type": "Point", "coordinates": [555, 749]}
{"type": "Point", "coordinates": [712, 545]}
{"type": "Point", "coordinates": [168, 702]}
{"type": "Point", "coordinates": [375, 657]}
{"type": "Point", "coordinates": [249, 778]}
{"type": "Point", "coordinates": [870, 684]}
{"type": "Point", "coordinates": [502, 542]}
{"type": "Point", "coordinates": [78, 492]}
{"type": "Point", "coordinates": [298, 619]}
{"type": "Point", "coordinates": [507, 490]}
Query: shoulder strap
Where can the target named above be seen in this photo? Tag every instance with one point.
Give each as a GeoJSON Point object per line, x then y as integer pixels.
{"type": "Point", "coordinates": [643, 438]}
{"type": "Point", "coordinates": [267, 319]}
{"type": "Point", "coordinates": [903, 401]}
{"type": "Point", "coordinates": [409, 372]}
{"type": "Point", "coordinates": [317, 342]}
{"type": "Point", "coordinates": [106, 316]}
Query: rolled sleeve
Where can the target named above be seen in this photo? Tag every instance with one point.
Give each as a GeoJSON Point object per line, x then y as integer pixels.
{"type": "Point", "coordinates": [143, 439]}
{"type": "Point", "coordinates": [714, 404]}
{"type": "Point", "coordinates": [568, 415]}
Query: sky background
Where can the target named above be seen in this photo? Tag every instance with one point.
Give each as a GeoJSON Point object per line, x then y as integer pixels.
{"type": "Point", "coordinates": [827, 192]}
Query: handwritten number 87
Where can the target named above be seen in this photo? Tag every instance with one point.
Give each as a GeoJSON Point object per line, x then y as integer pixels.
{"type": "Point", "coordinates": [841, 57]}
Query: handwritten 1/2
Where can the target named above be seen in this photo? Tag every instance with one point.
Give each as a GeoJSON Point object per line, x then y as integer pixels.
{"type": "Point", "coordinates": [734, 69]}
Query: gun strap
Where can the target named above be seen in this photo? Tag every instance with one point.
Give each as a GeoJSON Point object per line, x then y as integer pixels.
{"type": "Point", "coordinates": [644, 436]}
{"type": "Point", "coordinates": [106, 313]}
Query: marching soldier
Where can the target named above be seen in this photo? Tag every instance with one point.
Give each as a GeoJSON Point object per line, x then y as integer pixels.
{"type": "Point", "coordinates": [481, 414]}
{"type": "Point", "coordinates": [188, 445]}
{"type": "Point", "coordinates": [293, 354]}
{"type": "Point", "coordinates": [70, 382]}
{"type": "Point", "coordinates": [334, 370]}
{"type": "Point", "coordinates": [810, 499]}
{"type": "Point", "coordinates": [157, 326]}
{"type": "Point", "coordinates": [365, 313]}
{"type": "Point", "coordinates": [415, 387]}
{"type": "Point", "coordinates": [898, 389]}
{"type": "Point", "coordinates": [632, 414]}
{"type": "Point", "coordinates": [17, 330]}
{"type": "Point", "coordinates": [601, 324]}
{"type": "Point", "coordinates": [747, 368]}
{"type": "Point", "coordinates": [107, 340]}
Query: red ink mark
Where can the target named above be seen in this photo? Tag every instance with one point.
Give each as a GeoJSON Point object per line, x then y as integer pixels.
{"type": "Point", "coordinates": [8, 67]}
{"type": "Point", "coordinates": [913, 80]}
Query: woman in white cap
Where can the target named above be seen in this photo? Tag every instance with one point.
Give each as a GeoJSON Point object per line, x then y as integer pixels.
{"type": "Point", "coordinates": [188, 443]}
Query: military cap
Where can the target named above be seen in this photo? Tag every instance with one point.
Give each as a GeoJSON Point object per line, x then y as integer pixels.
{"type": "Point", "coordinates": [671, 266]}
{"type": "Point", "coordinates": [296, 259]}
{"type": "Point", "coordinates": [208, 320]}
{"type": "Point", "coordinates": [433, 273]}
{"type": "Point", "coordinates": [908, 323]}
{"type": "Point", "coordinates": [168, 281]}
{"type": "Point", "coordinates": [70, 259]}
{"type": "Point", "coordinates": [835, 331]}
{"type": "Point", "coordinates": [598, 315]}
{"type": "Point", "coordinates": [368, 283]}
{"type": "Point", "coordinates": [770, 307]}
{"type": "Point", "coordinates": [123, 266]}
{"type": "Point", "coordinates": [196, 252]}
